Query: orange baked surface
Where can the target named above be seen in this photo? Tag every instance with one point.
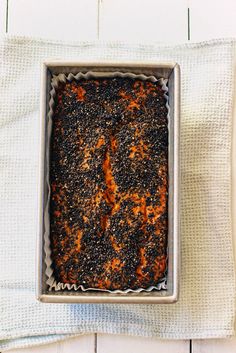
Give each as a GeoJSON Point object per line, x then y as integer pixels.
{"type": "Point", "coordinates": [109, 184]}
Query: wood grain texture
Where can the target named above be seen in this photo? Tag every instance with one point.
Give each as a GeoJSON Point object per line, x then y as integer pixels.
{"type": "Point", "coordinates": [80, 344]}
{"type": "Point", "coordinates": [52, 19]}
{"type": "Point", "coordinates": [128, 344]}
{"type": "Point", "coordinates": [139, 20]}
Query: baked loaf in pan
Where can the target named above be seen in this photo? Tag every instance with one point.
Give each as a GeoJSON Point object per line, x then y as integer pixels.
{"type": "Point", "coordinates": [109, 184]}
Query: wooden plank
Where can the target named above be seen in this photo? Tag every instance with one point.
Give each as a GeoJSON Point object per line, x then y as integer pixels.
{"type": "Point", "coordinates": [214, 346]}
{"type": "Point", "coordinates": [80, 344]}
{"type": "Point", "coordinates": [139, 20]}
{"type": "Point", "coordinates": [56, 19]}
{"type": "Point", "coordinates": [127, 344]}
{"type": "Point", "coordinates": [3, 16]}
{"type": "Point", "coordinates": [212, 19]}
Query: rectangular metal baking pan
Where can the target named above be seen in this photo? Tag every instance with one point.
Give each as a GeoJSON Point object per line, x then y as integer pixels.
{"type": "Point", "coordinates": [168, 70]}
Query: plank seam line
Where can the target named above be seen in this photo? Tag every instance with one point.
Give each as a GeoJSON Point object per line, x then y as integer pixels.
{"type": "Point", "coordinates": [189, 25]}
{"type": "Point", "coordinates": [98, 18]}
{"type": "Point", "coordinates": [7, 6]}
{"type": "Point", "coordinates": [95, 343]}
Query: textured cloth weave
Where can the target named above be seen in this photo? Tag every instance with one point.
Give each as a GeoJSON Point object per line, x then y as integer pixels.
{"type": "Point", "coordinates": [206, 305]}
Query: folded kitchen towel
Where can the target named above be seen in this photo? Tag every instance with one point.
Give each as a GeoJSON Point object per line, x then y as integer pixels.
{"type": "Point", "coordinates": [206, 305]}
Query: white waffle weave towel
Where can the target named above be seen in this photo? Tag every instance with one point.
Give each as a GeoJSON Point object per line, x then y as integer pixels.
{"type": "Point", "coordinates": [206, 305]}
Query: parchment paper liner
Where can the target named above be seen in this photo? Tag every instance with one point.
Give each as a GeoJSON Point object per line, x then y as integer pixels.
{"type": "Point", "coordinates": [51, 282]}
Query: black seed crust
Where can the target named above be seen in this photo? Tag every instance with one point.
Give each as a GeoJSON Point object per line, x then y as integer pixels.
{"type": "Point", "coordinates": [109, 184]}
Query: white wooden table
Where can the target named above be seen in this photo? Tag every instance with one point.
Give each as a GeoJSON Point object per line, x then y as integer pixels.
{"type": "Point", "coordinates": [173, 21]}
